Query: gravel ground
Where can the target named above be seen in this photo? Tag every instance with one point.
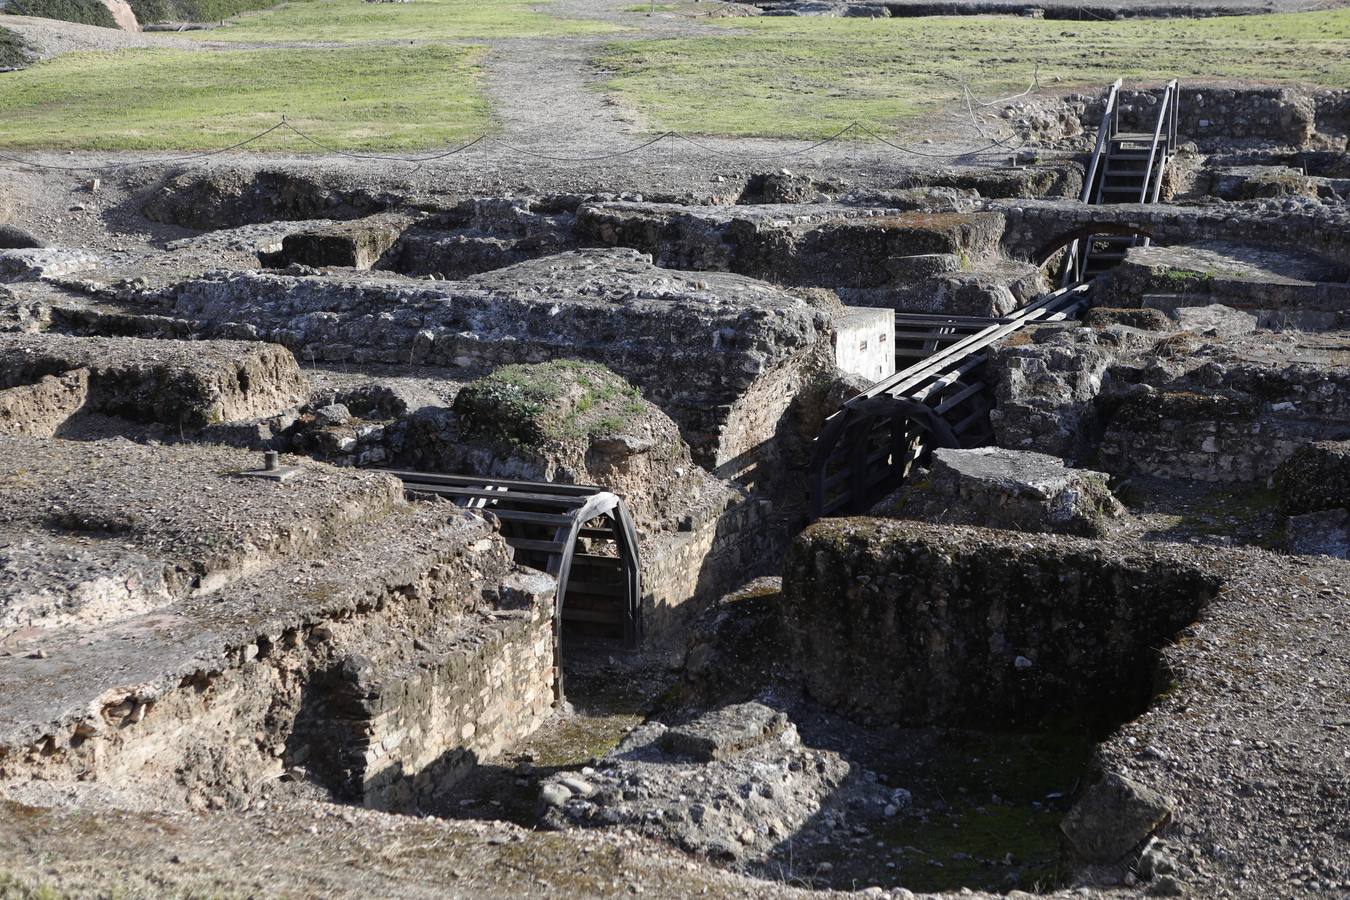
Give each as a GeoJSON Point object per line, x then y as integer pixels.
{"type": "Point", "coordinates": [1254, 739]}
{"type": "Point", "coordinates": [49, 37]}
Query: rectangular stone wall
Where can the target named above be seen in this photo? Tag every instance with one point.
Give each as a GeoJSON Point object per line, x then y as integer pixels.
{"type": "Point", "coordinates": [428, 730]}
{"type": "Point", "coordinates": [918, 624]}
{"type": "Point", "coordinates": [1180, 434]}
{"type": "Point", "coordinates": [684, 572]}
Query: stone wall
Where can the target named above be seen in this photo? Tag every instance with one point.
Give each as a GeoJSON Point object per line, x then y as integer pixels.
{"type": "Point", "coordinates": [1206, 114]}
{"type": "Point", "coordinates": [1225, 407]}
{"type": "Point", "coordinates": [1214, 117]}
{"type": "Point", "coordinates": [1281, 288]}
{"type": "Point", "coordinates": [683, 573]}
{"type": "Point", "coordinates": [697, 345]}
{"type": "Point", "coordinates": [917, 624]}
{"type": "Point", "coordinates": [189, 383]}
{"type": "Point", "coordinates": [894, 258]}
{"type": "Point", "coordinates": [40, 409]}
{"type": "Point", "coordinates": [1036, 227]}
{"type": "Point", "coordinates": [1315, 478]}
{"type": "Point", "coordinates": [1046, 383]}
{"type": "Point", "coordinates": [122, 669]}
{"type": "Point", "coordinates": [393, 739]}
{"type": "Point", "coordinates": [1214, 437]}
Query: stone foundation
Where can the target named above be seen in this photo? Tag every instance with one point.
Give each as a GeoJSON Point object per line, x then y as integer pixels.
{"type": "Point", "coordinates": [909, 623]}
{"type": "Point", "coordinates": [204, 690]}
{"type": "Point", "coordinates": [187, 383]}
{"type": "Point", "coordinates": [1281, 289]}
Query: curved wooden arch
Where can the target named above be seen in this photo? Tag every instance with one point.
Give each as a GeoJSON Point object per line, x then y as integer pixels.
{"type": "Point", "coordinates": [867, 446]}
{"type": "Point", "coordinates": [1050, 248]}
{"type": "Point", "coordinates": [554, 528]}
{"type": "Point", "coordinates": [911, 429]}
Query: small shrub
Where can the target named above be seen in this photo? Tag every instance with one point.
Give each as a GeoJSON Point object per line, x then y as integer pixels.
{"type": "Point", "coordinates": [148, 11]}
{"type": "Point", "coordinates": [84, 12]}
{"type": "Point", "coordinates": [13, 51]}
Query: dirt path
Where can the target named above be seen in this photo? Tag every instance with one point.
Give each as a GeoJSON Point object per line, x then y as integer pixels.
{"type": "Point", "coordinates": [547, 94]}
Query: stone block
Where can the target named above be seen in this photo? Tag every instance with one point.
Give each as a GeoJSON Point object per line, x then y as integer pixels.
{"type": "Point", "coordinates": [1113, 817]}
{"type": "Point", "coordinates": [1214, 320]}
{"type": "Point", "coordinates": [725, 732]}
{"type": "Point", "coordinates": [1010, 489]}
{"type": "Point", "coordinates": [864, 342]}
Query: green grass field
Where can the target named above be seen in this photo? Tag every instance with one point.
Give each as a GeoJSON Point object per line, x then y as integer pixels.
{"type": "Point", "coordinates": [387, 98]}
{"type": "Point", "coordinates": [809, 77]}
{"type": "Point", "coordinates": [354, 21]}
{"type": "Point", "coordinates": [371, 91]}
{"type": "Point", "coordinates": [406, 76]}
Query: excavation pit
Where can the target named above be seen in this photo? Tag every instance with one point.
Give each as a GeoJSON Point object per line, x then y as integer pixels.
{"type": "Point", "coordinates": [917, 625]}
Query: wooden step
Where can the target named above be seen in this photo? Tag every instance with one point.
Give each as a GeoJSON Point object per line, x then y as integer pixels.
{"type": "Point", "coordinates": [591, 615]}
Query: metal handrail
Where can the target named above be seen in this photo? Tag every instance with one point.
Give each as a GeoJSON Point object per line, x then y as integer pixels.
{"type": "Point", "coordinates": [1165, 118]}
{"type": "Point", "coordinates": [1110, 124]}
{"type": "Point", "coordinates": [1167, 115]}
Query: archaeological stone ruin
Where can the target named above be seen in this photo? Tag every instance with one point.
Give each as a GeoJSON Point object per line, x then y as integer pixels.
{"type": "Point", "coordinates": [974, 526]}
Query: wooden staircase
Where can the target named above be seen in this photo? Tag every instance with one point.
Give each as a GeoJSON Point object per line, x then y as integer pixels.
{"type": "Point", "coordinates": [1126, 167]}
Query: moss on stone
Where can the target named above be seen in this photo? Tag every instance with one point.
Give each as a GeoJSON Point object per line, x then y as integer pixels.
{"type": "Point", "coordinates": [531, 405]}
{"type": "Point", "coordinates": [1187, 279]}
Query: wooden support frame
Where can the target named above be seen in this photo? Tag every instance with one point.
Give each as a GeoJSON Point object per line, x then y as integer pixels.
{"type": "Point", "coordinates": [941, 401]}
{"type": "Point", "coordinates": [555, 528]}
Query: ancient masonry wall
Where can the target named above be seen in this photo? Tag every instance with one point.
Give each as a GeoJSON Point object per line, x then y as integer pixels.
{"type": "Point", "coordinates": [918, 624]}
{"type": "Point", "coordinates": [384, 733]}
{"type": "Point", "coordinates": [684, 573]}
{"type": "Point", "coordinates": [1215, 438]}
{"type": "Point", "coordinates": [1281, 115]}
{"type": "Point", "coordinates": [1034, 225]}
{"type": "Point", "coordinates": [427, 731]}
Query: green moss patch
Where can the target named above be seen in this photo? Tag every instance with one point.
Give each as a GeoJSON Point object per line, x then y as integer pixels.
{"type": "Point", "coordinates": [531, 405]}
